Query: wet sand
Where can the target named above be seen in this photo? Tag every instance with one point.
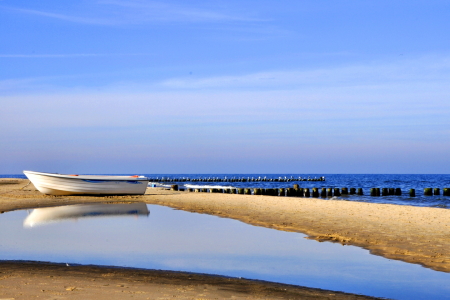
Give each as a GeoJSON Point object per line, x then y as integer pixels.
{"type": "Point", "coordinates": [29, 280]}
{"type": "Point", "coordinates": [413, 234]}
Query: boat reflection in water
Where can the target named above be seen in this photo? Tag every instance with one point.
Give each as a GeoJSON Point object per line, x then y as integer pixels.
{"type": "Point", "coordinates": [41, 216]}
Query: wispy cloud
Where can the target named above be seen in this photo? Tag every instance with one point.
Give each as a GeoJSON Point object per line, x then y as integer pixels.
{"type": "Point", "coordinates": [424, 74]}
{"type": "Point", "coordinates": [63, 17]}
{"type": "Point", "coordinates": [70, 55]}
{"type": "Point", "coordinates": [351, 114]}
{"type": "Point", "coordinates": [421, 70]}
{"type": "Point", "coordinates": [17, 84]}
{"type": "Point", "coordinates": [118, 12]}
{"type": "Point", "coordinates": [163, 11]}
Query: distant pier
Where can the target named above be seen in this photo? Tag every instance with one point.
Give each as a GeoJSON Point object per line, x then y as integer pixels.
{"type": "Point", "coordinates": [236, 179]}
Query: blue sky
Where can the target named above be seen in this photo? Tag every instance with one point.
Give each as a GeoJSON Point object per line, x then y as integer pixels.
{"type": "Point", "coordinates": [244, 86]}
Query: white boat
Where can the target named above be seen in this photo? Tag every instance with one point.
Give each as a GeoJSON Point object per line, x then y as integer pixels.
{"type": "Point", "coordinates": [41, 216]}
{"type": "Point", "coordinates": [60, 184]}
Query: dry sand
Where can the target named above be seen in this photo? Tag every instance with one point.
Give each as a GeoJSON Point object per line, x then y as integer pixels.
{"type": "Point", "coordinates": [413, 234]}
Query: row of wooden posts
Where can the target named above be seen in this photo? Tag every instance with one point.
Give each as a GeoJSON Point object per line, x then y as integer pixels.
{"type": "Point", "coordinates": [412, 192]}
{"type": "Point", "coordinates": [314, 192]}
{"type": "Point", "coordinates": [235, 179]}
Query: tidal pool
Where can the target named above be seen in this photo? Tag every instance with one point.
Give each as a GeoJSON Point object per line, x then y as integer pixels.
{"type": "Point", "coordinates": [156, 237]}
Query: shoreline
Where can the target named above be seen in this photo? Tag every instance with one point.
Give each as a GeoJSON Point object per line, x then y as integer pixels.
{"type": "Point", "coordinates": [412, 234]}
{"type": "Point", "coordinates": [30, 280]}
{"type": "Point", "coordinates": [419, 235]}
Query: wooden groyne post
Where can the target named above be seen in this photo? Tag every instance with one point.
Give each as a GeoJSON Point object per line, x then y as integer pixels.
{"type": "Point", "coordinates": [428, 191]}
{"type": "Point", "coordinates": [446, 192]}
{"type": "Point", "coordinates": [315, 192]}
{"type": "Point", "coordinates": [306, 192]}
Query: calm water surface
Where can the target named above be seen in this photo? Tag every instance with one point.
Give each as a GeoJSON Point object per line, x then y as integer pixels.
{"type": "Point", "coordinates": [155, 237]}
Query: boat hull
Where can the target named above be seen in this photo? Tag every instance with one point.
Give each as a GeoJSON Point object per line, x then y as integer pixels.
{"type": "Point", "coordinates": [57, 184]}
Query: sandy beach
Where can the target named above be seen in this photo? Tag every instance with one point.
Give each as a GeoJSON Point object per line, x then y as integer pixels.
{"type": "Point", "coordinates": [30, 280]}
{"type": "Point", "coordinates": [417, 235]}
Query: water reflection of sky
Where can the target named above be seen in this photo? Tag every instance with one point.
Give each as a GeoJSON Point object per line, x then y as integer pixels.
{"type": "Point", "coordinates": [177, 240]}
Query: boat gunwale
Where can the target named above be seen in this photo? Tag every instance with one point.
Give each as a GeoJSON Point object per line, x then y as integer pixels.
{"type": "Point", "coordinates": [89, 177]}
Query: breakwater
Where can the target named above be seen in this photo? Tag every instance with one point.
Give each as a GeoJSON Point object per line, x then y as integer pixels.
{"type": "Point", "coordinates": [365, 182]}
{"type": "Point", "coordinates": [297, 191]}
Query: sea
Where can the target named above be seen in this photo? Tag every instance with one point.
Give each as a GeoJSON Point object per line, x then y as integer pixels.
{"type": "Point", "coordinates": [365, 181]}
